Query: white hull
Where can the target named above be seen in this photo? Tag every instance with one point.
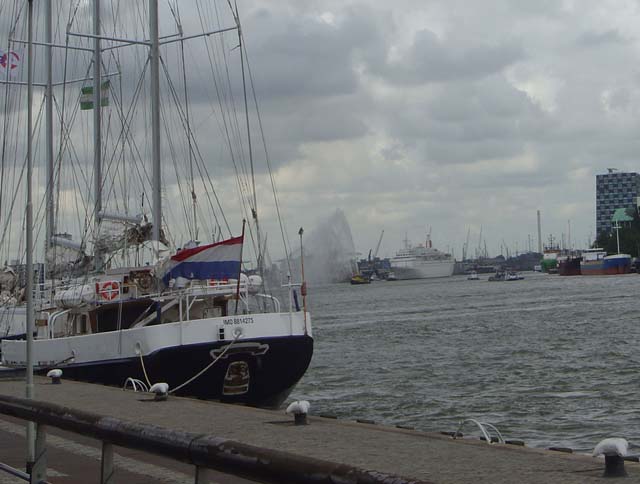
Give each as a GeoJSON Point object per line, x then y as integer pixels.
{"type": "Point", "coordinates": [422, 269]}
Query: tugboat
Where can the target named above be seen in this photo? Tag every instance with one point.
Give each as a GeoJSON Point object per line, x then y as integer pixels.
{"type": "Point", "coordinates": [498, 276]}
{"type": "Point", "coordinates": [360, 279]}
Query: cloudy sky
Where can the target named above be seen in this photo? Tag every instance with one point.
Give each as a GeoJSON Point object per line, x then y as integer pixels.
{"type": "Point", "coordinates": [449, 116]}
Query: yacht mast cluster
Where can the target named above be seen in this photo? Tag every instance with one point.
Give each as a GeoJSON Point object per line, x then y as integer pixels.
{"type": "Point", "coordinates": [114, 324]}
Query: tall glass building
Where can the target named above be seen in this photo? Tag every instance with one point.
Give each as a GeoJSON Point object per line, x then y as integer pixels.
{"type": "Point", "coordinates": [614, 190]}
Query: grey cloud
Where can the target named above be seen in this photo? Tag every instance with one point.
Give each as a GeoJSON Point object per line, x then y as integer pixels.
{"type": "Point", "coordinates": [465, 122]}
{"type": "Point", "coordinates": [430, 59]}
{"type": "Point", "coordinates": [594, 39]}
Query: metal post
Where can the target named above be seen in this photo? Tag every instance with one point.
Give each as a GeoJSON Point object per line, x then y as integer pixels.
{"type": "Point", "coordinates": [154, 58]}
{"type": "Point", "coordinates": [240, 269]}
{"type": "Point", "coordinates": [38, 471]}
{"type": "Point", "coordinates": [106, 464]}
{"type": "Point", "coordinates": [49, 222]}
{"type": "Point", "coordinates": [29, 234]}
{"type": "Point", "coordinates": [97, 128]}
{"type": "Point", "coordinates": [303, 285]}
{"type": "Point", "coordinates": [203, 475]}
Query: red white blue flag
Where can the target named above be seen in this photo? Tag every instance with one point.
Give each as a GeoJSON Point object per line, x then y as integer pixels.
{"type": "Point", "coordinates": [214, 261]}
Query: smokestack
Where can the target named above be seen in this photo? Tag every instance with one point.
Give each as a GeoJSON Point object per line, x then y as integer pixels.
{"type": "Point", "coordinates": [539, 234]}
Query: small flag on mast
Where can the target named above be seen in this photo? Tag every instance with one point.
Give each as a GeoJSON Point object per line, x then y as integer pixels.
{"type": "Point", "coordinates": [86, 98]}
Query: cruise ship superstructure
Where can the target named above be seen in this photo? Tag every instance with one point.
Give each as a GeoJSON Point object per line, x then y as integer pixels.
{"type": "Point", "coordinates": [421, 262]}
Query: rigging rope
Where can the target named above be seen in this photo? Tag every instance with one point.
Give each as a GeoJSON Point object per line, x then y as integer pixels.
{"type": "Point", "coordinates": [201, 372]}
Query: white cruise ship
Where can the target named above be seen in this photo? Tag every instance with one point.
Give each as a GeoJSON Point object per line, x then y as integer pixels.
{"type": "Point", "coordinates": [421, 262]}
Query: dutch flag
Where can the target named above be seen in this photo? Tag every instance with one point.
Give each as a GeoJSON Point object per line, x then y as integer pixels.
{"type": "Point", "coordinates": [214, 261]}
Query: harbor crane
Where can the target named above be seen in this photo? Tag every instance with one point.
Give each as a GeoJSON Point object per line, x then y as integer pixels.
{"type": "Point", "coordinates": [375, 254]}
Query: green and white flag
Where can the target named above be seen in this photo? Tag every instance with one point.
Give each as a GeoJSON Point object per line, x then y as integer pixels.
{"type": "Point", "coordinates": [86, 99]}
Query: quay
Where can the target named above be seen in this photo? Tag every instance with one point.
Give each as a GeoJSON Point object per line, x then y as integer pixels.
{"type": "Point", "coordinates": [413, 455]}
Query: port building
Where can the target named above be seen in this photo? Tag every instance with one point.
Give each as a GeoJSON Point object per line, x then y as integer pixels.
{"type": "Point", "coordinates": [614, 190]}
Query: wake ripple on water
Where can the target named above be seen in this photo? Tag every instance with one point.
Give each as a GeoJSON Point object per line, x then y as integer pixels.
{"type": "Point", "coordinates": [551, 360]}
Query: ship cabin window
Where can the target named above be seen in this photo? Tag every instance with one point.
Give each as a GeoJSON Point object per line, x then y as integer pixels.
{"type": "Point", "coordinates": [216, 308]}
{"type": "Point", "coordinates": [114, 317]}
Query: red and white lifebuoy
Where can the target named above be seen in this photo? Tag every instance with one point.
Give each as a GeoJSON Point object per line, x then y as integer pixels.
{"type": "Point", "coordinates": [108, 290]}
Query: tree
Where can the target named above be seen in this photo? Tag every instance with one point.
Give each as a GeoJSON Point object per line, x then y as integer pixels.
{"type": "Point", "coordinates": [629, 237]}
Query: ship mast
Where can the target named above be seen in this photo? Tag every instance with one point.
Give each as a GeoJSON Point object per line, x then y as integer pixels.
{"type": "Point", "coordinates": [49, 220]}
{"type": "Point", "coordinates": [97, 129]}
{"type": "Point", "coordinates": [154, 58]}
{"type": "Point", "coordinates": [29, 233]}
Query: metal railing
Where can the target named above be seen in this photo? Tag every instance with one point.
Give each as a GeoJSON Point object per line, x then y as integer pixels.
{"type": "Point", "coordinates": [204, 452]}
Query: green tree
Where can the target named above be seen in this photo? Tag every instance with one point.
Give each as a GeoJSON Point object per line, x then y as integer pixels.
{"type": "Point", "coordinates": [629, 237]}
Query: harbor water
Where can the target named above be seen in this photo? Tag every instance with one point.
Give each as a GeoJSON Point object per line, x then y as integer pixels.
{"type": "Point", "coordinates": [551, 360]}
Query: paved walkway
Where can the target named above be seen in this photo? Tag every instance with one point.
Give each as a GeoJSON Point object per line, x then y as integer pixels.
{"type": "Point", "coordinates": [418, 455]}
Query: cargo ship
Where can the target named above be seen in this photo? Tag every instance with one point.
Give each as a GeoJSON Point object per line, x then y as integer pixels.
{"type": "Point", "coordinates": [596, 262]}
{"type": "Point", "coordinates": [549, 262]}
{"type": "Point", "coordinates": [569, 265]}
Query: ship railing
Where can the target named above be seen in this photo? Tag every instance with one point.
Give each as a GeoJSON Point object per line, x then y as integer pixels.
{"type": "Point", "coordinates": [274, 300]}
{"type": "Point", "coordinates": [203, 452]}
{"type": "Point", "coordinates": [196, 290]}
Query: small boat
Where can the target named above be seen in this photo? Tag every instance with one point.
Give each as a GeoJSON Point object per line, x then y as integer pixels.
{"type": "Point", "coordinates": [360, 279]}
{"type": "Point", "coordinates": [391, 277]}
{"type": "Point", "coordinates": [513, 276]}
{"type": "Point", "coordinates": [498, 276]}
{"type": "Point", "coordinates": [473, 276]}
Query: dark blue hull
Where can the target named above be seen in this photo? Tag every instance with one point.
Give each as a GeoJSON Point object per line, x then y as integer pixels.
{"type": "Point", "coordinates": [260, 372]}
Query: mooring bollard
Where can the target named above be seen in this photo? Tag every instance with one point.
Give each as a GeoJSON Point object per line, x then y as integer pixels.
{"type": "Point", "coordinates": [299, 409]}
{"type": "Point", "coordinates": [161, 391]}
{"type": "Point", "coordinates": [55, 375]}
{"type": "Point", "coordinates": [614, 450]}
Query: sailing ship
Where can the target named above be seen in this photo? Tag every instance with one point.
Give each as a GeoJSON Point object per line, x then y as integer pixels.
{"type": "Point", "coordinates": [421, 261]}
{"type": "Point", "coordinates": [197, 318]}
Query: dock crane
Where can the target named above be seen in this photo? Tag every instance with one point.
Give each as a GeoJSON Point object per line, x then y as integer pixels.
{"type": "Point", "coordinates": [375, 254]}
